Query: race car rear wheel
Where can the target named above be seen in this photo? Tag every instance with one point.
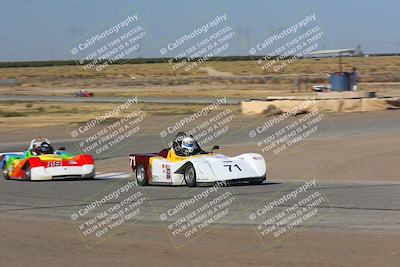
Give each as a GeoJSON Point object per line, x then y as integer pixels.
{"type": "Point", "coordinates": [27, 175]}
{"type": "Point", "coordinates": [5, 174]}
{"type": "Point", "coordinates": [141, 176]}
{"type": "Point", "coordinates": [190, 176]}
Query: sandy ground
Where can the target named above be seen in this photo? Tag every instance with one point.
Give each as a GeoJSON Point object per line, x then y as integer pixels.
{"type": "Point", "coordinates": [24, 243]}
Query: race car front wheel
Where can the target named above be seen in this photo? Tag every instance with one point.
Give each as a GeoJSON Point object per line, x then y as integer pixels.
{"type": "Point", "coordinates": [141, 176]}
{"type": "Point", "coordinates": [258, 180]}
{"type": "Point", "coordinates": [190, 176]}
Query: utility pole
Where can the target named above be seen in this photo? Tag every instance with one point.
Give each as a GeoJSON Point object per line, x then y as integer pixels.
{"type": "Point", "coordinates": [244, 32]}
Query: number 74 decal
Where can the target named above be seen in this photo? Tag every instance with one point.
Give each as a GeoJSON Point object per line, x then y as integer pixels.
{"type": "Point", "coordinates": [230, 167]}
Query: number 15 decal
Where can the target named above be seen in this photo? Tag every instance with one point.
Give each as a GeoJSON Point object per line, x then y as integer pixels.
{"type": "Point", "coordinates": [230, 167]}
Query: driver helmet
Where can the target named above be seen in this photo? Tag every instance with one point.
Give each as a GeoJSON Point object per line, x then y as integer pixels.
{"type": "Point", "coordinates": [46, 148]}
{"type": "Point", "coordinates": [188, 144]}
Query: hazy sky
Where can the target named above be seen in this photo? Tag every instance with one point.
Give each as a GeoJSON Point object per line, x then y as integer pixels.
{"type": "Point", "coordinates": [42, 29]}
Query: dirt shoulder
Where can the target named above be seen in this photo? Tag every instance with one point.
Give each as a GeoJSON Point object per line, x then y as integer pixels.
{"type": "Point", "coordinates": [56, 243]}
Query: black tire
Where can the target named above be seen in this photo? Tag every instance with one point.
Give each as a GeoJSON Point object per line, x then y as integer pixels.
{"type": "Point", "coordinates": [27, 169]}
{"type": "Point", "coordinates": [91, 175]}
{"type": "Point", "coordinates": [141, 175]}
{"type": "Point", "coordinates": [5, 174]}
{"type": "Point", "coordinates": [190, 176]}
{"type": "Point", "coordinates": [257, 181]}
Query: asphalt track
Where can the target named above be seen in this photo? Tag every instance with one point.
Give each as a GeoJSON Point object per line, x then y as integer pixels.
{"type": "Point", "coordinates": [359, 205]}
{"type": "Point", "coordinates": [333, 127]}
{"type": "Point", "coordinates": [350, 205]}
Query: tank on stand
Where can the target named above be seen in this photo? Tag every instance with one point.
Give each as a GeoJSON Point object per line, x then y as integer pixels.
{"type": "Point", "coordinates": [340, 81]}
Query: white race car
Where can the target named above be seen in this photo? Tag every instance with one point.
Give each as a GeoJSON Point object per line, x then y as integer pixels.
{"type": "Point", "coordinates": [169, 167]}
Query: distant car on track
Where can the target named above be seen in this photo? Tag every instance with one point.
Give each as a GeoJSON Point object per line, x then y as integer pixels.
{"type": "Point", "coordinates": [174, 166]}
{"type": "Point", "coordinates": [83, 93]}
{"type": "Point", "coordinates": [41, 162]}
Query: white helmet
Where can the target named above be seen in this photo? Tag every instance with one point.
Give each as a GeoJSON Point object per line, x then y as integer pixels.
{"type": "Point", "coordinates": [189, 144]}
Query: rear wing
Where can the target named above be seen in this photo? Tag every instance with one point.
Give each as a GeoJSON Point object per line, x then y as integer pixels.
{"type": "Point", "coordinates": [12, 153]}
{"type": "Point", "coordinates": [144, 158]}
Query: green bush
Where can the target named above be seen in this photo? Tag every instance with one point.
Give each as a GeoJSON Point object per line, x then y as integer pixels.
{"type": "Point", "coordinates": [10, 114]}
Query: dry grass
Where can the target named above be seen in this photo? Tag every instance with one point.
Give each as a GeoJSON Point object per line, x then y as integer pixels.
{"type": "Point", "coordinates": [158, 80]}
{"type": "Point", "coordinates": [366, 65]}
{"type": "Point", "coordinates": [24, 115]}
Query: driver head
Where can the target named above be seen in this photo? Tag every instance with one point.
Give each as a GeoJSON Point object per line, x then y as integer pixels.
{"type": "Point", "coordinates": [46, 148]}
{"type": "Point", "coordinates": [37, 142]}
{"type": "Point", "coordinates": [189, 144]}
